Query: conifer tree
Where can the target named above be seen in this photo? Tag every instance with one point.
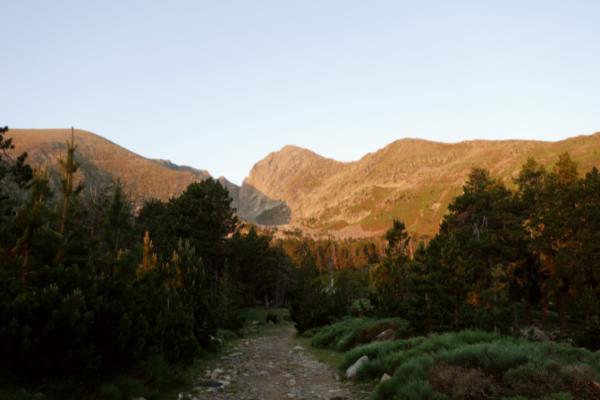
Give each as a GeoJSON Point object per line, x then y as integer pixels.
{"type": "Point", "coordinates": [14, 175]}
{"type": "Point", "coordinates": [389, 275]}
{"type": "Point", "coordinates": [34, 215]}
{"type": "Point", "coordinates": [531, 182]}
{"type": "Point", "coordinates": [69, 167]}
{"type": "Point", "coordinates": [557, 205]}
{"type": "Point", "coordinates": [116, 219]}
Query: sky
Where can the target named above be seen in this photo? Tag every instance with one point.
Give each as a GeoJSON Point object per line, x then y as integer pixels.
{"type": "Point", "coordinates": [218, 85]}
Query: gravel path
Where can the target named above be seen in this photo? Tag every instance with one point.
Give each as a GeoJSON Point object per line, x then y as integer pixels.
{"type": "Point", "coordinates": [269, 367]}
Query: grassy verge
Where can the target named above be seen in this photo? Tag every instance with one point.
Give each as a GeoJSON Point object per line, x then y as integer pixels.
{"type": "Point", "coordinates": [477, 365]}
{"type": "Point", "coordinates": [352, 332]}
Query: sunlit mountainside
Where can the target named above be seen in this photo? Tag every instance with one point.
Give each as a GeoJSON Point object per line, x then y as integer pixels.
{"type": "Point", "coordinates": [410, 179]}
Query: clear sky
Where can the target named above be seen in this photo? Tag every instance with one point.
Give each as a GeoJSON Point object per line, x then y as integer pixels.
{"type": "Point", "coordinates": [218, 85]}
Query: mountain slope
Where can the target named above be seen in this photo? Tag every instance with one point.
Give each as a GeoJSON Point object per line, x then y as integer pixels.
{"type": "Point", "coordinates": [102, 160]}
{"type": "Point", "coordinates": [410, 179]}
{"type": "Point", "coordinates": [142, 179]}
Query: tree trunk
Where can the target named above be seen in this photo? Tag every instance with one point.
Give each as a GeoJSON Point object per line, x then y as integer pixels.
{"type": "Point", "coordinates": [277, 292]}
{"type": "Point", "coordinates": [25, 270]}
{"type": "Point", "coordinates": [560, 309]}
{"type": "Point", "coordinates": [527, 310]}
{"type": "Point", "coordinates": [544, 316]}
{"type": "Point", "coordinates": [267, 301]}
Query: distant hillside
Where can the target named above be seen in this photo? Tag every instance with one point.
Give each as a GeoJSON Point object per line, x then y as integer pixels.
{"type": "Point", "coordinates": [410, 179]}
{"type": "Point", "coordinates": [142, 178]}
{"type": "Point", "coordinates": [102, 160]}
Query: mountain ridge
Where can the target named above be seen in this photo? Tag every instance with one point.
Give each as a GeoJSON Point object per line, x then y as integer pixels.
{"type": "Point", "coordinates": [411, 179]}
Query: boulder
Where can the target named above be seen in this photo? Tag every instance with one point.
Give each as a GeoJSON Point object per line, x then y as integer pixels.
{"type": "Point", "coordinates": [385, 377]}
{"type": "Point", "coordinates": [351, 371]}
{"type": "Point", "coordinates": [387, 335]}
{"type": "Point", "coordinates": [534, 333]}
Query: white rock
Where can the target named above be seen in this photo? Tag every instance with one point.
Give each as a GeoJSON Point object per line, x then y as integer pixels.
{"type": "Point", "coordinates": [385, 377]}
{"type": "Point", "coordinates": [263, 373]}
{"type": "Point", "coordinates": [225, 378]}
{"type": "Point", "coordinates": [298, 348]}
{"type": "Point", "coordinates": [351, 371]}
{"type": "Point", "coordinates": [290, 383]}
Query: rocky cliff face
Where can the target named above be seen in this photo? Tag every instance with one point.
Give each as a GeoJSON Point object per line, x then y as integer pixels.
{"type": "Point", "coordinates": [410, 179]}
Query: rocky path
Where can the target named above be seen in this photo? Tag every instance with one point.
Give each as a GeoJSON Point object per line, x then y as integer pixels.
{"type": "Point", "coordinates": [269, 368]}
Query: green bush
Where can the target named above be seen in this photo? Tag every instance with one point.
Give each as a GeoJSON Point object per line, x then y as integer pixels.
{"type": "Point", "coordinates": [476, 365]}
{"type": "Point", "coordinates": [351, 332]}
{"type": "Point", "coordinates": [286, 317]}
{"type": "Point", "coordinates": [113, 321]}
{"type": "Point", "coordinates": [309, 333]}
{"type": "Point", "coordinates": [225, 335]}
{"type": "Point", "coordinates": [109, 392]}
{"type": "Point", "coordinates": [588, 337]}
{"type": "Point", "coordinates": [272, 317]}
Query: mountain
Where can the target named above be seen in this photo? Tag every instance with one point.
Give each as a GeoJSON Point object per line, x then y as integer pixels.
{"type": "Point", "coordinates": [142, 178]}
{"type": "Point", "coordinates": [410, 179]}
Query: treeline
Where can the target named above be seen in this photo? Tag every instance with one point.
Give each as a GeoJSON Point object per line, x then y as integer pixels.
{"type": "Point", "coordinates": [88, 290]}
{"type": "Point", "coordinates": [501, 258]}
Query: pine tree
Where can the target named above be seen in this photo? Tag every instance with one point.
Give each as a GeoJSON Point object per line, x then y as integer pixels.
{"type": "Point", "coordinates": [555, 209]}
{"type": "Point", "coordinates": [69, 167]}
{"type": "Point", "coordinates": [34, 215]}
{"type": "Point", "coordinates": [116, 220]}
{"type": "Point", "coordinates": [14, 175]}
{"type": "Point", "coordinates": [389, 275]}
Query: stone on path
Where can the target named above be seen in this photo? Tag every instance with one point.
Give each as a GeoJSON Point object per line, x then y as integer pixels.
{"type": "Point", "coordinates": [291, 383]}
{"type": "Point", "coordinates": [351, 371]}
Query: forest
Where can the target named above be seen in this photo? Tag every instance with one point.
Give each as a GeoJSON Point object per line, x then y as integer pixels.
{"type": "Point", "coordinates": [92, 288]}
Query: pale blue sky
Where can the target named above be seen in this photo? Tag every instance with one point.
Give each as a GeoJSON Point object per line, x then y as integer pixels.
{"type": "Point", "coordinates": [218, 85]}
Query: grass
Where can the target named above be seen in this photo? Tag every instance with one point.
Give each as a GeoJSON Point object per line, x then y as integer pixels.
{"type": "Point", "coordinates": [351, 332]}
{"type": "Point", "coordinates": [476, 365]}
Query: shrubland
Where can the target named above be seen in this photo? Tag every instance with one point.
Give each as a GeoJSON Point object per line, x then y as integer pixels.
{"type": "Point", "coordinates": [476, 365]}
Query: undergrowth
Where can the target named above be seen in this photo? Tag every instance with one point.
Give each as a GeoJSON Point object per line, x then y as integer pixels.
{"type": "Point", "coordinates": [351, 332]}
{"type": "Point", "coordinates": [477, 365]}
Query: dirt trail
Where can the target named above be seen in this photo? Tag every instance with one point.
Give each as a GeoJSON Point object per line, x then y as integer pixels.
{"type": "Point", "coordinates": [269, 368]}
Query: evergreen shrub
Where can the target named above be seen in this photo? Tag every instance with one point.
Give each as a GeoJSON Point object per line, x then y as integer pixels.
{"type": "Point", "coordinates": [476, 365]}
{"type": "Point", "coordinates": [272, 317]}
{"type": "Point", "coordinates": [351, 332]}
